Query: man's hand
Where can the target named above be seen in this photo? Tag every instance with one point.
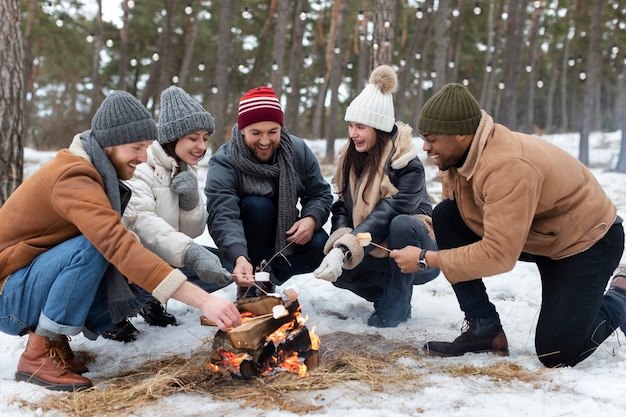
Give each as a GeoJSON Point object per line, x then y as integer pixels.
{"type": "Point", "coordinates": [223, 313]}
{"type": "Point", "coordinates": [302, 231]}
{"type": "Point", "coordinates": [243, 272]}
{"type": "Point", "coordinates": [406, 258]}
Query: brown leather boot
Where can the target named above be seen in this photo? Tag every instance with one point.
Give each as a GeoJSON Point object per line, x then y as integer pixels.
{"type": "Point", "coordinates": [75, 363]}
{"type": "Point", "coordinates": [480, 335]}
{"type": "Point", "coordinates": [43, 363]}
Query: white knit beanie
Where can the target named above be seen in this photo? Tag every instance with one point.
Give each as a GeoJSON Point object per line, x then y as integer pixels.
{"type": "Point", "coordinates": [374, 106]}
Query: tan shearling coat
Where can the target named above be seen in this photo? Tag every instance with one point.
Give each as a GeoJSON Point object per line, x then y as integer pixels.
{"type": "Point", "coordinates": [520, 193]}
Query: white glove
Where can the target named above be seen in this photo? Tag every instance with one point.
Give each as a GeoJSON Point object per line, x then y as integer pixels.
{"type": "Point", "coordinates": [331, 266]}
{"type": "Point", "coordinates": [206, 264]}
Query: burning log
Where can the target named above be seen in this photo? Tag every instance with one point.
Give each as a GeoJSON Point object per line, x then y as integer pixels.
{"type": "Point", "coordinates": [267, 343]}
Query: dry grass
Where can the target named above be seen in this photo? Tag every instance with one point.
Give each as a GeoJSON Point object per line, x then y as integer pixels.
{"type": "Point", "coordinates": [502, 371]}
{"type": "Point", "coordinates": [344, 358]}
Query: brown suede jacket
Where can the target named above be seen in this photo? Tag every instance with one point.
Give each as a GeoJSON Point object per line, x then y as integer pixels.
{"type": "Point", "coordinates": [521, 194]}
{"type": "Point", "coordinates": [66, 198]}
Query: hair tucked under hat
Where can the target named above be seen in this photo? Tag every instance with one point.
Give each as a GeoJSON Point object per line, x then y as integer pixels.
{"type": "Point", "coordinates": [121, 119]}
{"type": "Point", "coordinates": [451, 111]}
{"type": "Point", "coordinates": [374, 106]}
{"type": "Point", "coordinates": [259, 105]}
{"type": "Point", "coordinates": [181, 115]}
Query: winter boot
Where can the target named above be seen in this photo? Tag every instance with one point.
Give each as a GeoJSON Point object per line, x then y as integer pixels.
{"type": "Point", "coordinates": [43, 363]}
{"type": "Point", "coordinates": [617, 290]}
{"type": "Point", "coordinates": [478, 335]}
{"type": "Point", "coordinates": [155, 315]}
{"type": "Point", "coordinates": [75, 363]}
{"type": "Point", "coordinates": [124, 331]}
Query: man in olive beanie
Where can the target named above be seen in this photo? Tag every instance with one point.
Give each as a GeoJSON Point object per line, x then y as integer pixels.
{"type": "Point", "coordinates": [509, 196]}
{"type": "Point", "coordinates": [66, 259]}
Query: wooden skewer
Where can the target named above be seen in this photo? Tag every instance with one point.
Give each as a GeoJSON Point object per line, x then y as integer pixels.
{"type": "Point", "coordinates": [379, 246]}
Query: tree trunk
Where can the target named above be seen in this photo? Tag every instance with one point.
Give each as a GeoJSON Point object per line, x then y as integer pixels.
{"type": "Point", "coordinates": [591, 82]}
{"type": "Point", "coordinates": [189, 45]}
{"type": "Point", "coordinates": [222, 69]}
{"type": "Point", "coordinates": [27, 48]}
{"type": "Point", "coordinates": [384, 29]}
{"type": "Point", "coordinates": [511, 64]}
{"type": "Point", "coordinates": [123, 68]}
{"type": "Point", "coordinates": [292, 109]}
{"type": "Point", "coordinates": [167, 58]}
{"type": "Point", "coordinates": [264, 36]}
{"type": "Point", "coordinates": [621, 115]}
{"type": "Point", "coordinates": [11, 99]}
{"type": "Point", "coordinates": [96, 93]}
{"type": "Point", "coordinates": [335, 80]}
{"type": "Point", "coordinates": [278, 53]}
{"type": "Point", "coordinates": [441, 45]}
{"type": "Point", "coordinates": [528, 121]}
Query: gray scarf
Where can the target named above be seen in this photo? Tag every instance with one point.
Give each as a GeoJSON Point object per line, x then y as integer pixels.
{"type": "Point", "coordinates": [259, 179]}
{"type": "Point", "coordinates": [124, 299]}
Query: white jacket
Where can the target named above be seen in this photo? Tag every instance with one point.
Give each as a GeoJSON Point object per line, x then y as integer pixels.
{"type": "Point", "coordinates": [153, 212]}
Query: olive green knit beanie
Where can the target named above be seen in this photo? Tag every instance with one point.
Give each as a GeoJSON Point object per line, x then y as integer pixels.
{"type": "Point", "coordinates": [451, 111]}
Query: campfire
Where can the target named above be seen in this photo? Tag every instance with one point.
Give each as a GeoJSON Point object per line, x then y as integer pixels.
{"type": "Point", "coordinates": [273, 338]}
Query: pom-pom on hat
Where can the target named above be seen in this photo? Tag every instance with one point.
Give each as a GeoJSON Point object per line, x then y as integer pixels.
{"type": "Point", "coordinates": [453, 110]}
{"type": "Point", "coordinates": [181, 115]}
{"type": "Point", "coordinates": [259, 105]}
{"type": "Point", "coordinates": [374, 106]}
{"type": "Point", "coordinates": [122, 119]}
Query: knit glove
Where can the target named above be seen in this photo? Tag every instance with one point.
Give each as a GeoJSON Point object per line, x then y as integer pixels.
{"type": "Point", "coordinates": [206, 264]}
{"type": "Point", "coordinates": [331, 266]}
{"type": "Point", "coordinates": [185, 184]}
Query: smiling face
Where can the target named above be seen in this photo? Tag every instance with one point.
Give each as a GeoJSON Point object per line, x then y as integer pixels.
{"type": "Point", "coordinates": [191, 148]}
{"type": "Point", "coordinates": [445, 150]}
{"type": "Point", "coordinates": [125, 158]}
{"type": "Point", "coordinates": [262, 138]}
{"type": "Point", "coordinates": [363, 136]}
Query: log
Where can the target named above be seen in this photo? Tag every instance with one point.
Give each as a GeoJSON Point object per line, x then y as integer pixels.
{"type": "Point", "coordinates": [252, 333]}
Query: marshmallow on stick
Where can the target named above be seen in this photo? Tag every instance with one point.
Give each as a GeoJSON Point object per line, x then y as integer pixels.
{"type": "Point", "coordinates": [279, 311]}
{"type": "Point", "coordinates": [365, 239]}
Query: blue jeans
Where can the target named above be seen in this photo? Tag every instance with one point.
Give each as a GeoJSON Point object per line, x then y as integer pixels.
{"type": "Point", "coordinates": [258, 215]}
{"type": "Point", "coordinates": [59, 291]}
{"type": "Point", "coordinates": [575, 316]}
{"type": "Point", "coordinates": [380, 281]}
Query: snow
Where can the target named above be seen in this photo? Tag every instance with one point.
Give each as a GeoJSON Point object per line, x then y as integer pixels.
{"type": "Point", "coordinates": [596, 386]}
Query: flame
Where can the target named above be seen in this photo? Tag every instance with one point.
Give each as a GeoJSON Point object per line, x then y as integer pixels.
{"type": "Point", "coordinates": [315, 339]}
{"type": "Point", "coordinates": [232, 360]}
{"type": "Point", "coordinates": [292, 363]}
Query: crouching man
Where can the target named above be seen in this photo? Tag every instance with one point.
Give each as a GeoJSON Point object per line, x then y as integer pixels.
{"type": "Point", "coordinates": [64, 252]}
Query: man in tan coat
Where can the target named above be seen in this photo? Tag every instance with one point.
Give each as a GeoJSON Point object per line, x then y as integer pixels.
{"type": "Point", "coordinates": [508, 196]}
{"type": "Point", "coordinates": [66, 259]}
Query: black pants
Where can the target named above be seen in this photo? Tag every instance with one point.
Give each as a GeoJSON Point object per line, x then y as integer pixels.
{"type": "Point", "coordinates": [575, 316]}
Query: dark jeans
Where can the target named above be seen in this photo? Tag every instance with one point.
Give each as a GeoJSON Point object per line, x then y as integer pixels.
{"type": "Point", "coordinates": [575, 316]}
{"type": "Point", "coordinates": [380, 281]}
{"type": "Point", "coordinates": [258, 215]}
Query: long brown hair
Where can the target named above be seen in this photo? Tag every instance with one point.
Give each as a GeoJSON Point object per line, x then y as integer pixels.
{"type": "Point", "coordinates": [361, 161]}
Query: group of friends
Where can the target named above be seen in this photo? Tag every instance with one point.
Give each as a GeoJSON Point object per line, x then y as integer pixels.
{"type": "Point", "coordinates": [106, 230]}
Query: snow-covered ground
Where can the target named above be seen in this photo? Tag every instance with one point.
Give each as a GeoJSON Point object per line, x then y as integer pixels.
{"type": "Point", "coordinates": [594, 387]}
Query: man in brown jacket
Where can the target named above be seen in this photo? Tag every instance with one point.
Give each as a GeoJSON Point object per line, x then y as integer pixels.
{"type": "Point", "coordinates": [506, 197]}
{"type": "Point", "coordinates": [66, 259]}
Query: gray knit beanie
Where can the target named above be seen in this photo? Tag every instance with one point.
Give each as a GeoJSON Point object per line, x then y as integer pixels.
{"type": "Point", "coordinates": [181, 115]}
{"type": "Point", "coordinates": [122, 119]}
{"type": "Point", "coordinates": [374, 105]}
{"type": "Point", "coordinates": [451, 111]}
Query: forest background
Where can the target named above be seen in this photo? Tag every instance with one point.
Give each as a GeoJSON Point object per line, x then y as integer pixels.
{"type": "Point", "coordinates": [545, 66]}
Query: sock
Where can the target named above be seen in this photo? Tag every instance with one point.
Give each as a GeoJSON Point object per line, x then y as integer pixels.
{"type": "Point", "coordinates": [40, 331]}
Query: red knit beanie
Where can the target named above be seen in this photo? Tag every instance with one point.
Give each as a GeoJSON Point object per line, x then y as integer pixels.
{"type": "Point", "coordinates": [259, 105]}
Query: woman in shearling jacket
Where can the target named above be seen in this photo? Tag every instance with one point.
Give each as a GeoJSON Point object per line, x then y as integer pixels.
{"type": "Point", "coordinates": [381, 188]}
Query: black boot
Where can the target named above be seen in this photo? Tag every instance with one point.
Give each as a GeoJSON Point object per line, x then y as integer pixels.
{"type": "Point", "coordinates": [379, 320]}
{"type": "Point", "coordinates": [124, 331]}
{"type": "Point", "coordinates": [479, 335]}
{"type": "Point", "coordinates": [266, 287]}
{"type": "Point", "coordinates": [155, 315]}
